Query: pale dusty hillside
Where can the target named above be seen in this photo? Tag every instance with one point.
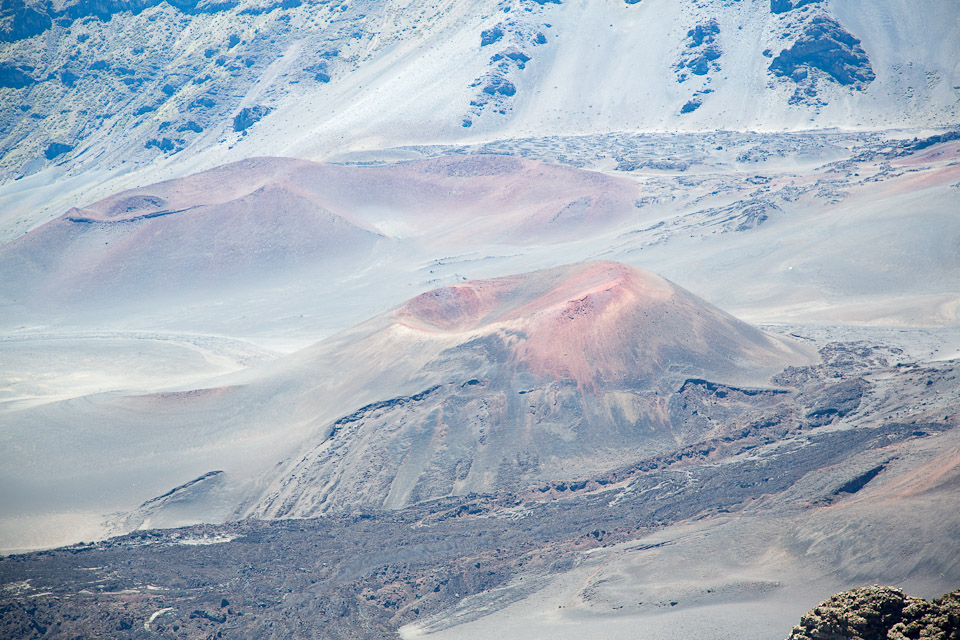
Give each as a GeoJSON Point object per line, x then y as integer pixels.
{"type": "Point", "coordinates": [86, 85]}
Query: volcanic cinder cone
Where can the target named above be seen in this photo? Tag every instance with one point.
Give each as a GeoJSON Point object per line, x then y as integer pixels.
{"type": "Point", "coordinates": [557, 374]}
{"type": "Point", "coordinates": [245, 230]}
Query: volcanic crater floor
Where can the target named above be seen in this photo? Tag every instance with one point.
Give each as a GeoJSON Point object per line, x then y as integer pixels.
{"type": "Point", "coordinates": [747, 518]}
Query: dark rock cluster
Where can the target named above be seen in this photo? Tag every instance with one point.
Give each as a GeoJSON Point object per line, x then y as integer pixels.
{"type": "Point", "coordinates": [825, 46]}
{"type": "Point", "coordinates": [695, 101]}
{"type": "Point", "coordinates": [703, 50]}
{"type": "Point", "coordinates": [783, 6]}
{"type": "Point", "coordinates": [164, 144]}
{"type": "Point", "coordinates": [881, 613]}
{"type": "Point", "coordinates": [499, 84]}
{"type": "Point", "coordinates": [249, 116]}
{"type": "Point", "coordinates": [21, 20]}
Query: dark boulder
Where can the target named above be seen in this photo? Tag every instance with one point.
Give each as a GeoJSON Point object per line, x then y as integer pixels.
{"type": "Point", "coordinates": [249, 116]}
{"type": "Point", "coordinates": [704, 33]}
{"type": "Point", "coordinates": [500, 86]}
{"type": "Point", "coordinates": [68, 78]}
{"type": "Point", "coordinates": [56, 149]}
{"type": "Point", "coordinates": [489, 36]}
{"type": "Point", "coordinates": [700, 64]}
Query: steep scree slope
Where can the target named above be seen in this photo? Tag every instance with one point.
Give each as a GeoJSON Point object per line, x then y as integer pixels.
{"type": "Point", "coordinates": [115, 85]}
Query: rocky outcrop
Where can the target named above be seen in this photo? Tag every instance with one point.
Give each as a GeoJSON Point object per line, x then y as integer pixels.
{"type": "Point", "coordinates": [163, 144]}
{"type": "Point", "coordinates": [699, 58]}
{"type": "Point", "coordinates": [703, 50]}
{"type": "Point", "coordinates": [783, 6]}
{"type": "Point", "coordinates": [249, 116]}
{"type": "Point", "coordinates": [500, 82]}
{"type": "Point", "coordinates": [877, 613]}
{"type": "Point", "coordinates": [825, 46]}
{"type": "Point", "coordinates": [21, 21]}
{"type": "Point", "coordinates": [15, 77]}
{"type": "Point", "coordinates": [835, 402]}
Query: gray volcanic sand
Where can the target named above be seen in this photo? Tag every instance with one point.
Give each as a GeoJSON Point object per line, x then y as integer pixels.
{"type": "Point", "coordinates": [745, 576]}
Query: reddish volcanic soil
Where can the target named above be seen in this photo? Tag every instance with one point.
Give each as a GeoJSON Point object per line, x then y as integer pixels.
{"type": "Point", "coordinates": [943, 472]}
{"type": "Point", "coordinates": [264, 219]}
{"type": "Point", "coordinates": [521, 200]}
{"type": "Point", "coordinates": [598, 323]}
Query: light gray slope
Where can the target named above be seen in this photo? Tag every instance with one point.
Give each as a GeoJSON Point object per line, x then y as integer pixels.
{"type": "Point", "coordinates": [40, 368]}
{"type": "Point", "coordinates": [234, 80]}
{"type": "Point", "coordinates": [871, 239]}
